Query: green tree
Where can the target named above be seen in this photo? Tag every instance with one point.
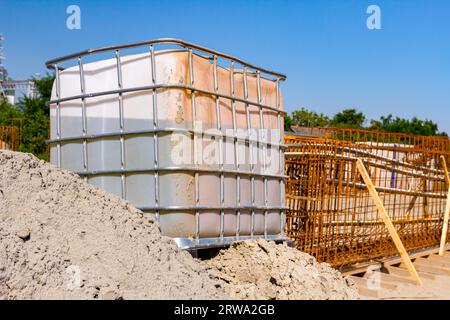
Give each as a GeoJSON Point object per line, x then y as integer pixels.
{"type": "Point", "coordinates": [7, 112]}
{"type": "Point", "coordinates": [36, 123]}
{"type": "Point", "coordinates": [409, 126]}
{"type": "Point", "coordinates": [306, 118]}
{"type": "Point", "coordinates": [348, 118]}
{"type": "Point", "coordinates": [288, 122]}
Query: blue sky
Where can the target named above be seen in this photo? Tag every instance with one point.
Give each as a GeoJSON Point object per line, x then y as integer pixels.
{"type": "Point", "coordinates": [330, 57]}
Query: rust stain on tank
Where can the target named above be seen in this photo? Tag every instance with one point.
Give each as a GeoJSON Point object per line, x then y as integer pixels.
{"type": "Point", "coordinates": [179, 117]}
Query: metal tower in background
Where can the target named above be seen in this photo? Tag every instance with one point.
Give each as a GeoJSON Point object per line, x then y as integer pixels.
{"type": "Point", "coordinates": [9, 87]}
{"type": "Point", "coordinates": [3, 73]}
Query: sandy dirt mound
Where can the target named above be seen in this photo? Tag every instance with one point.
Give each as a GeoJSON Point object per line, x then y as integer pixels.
{"type": "Point", "coordinates": [62, 238]}
{"type": "Point", "coordinates": [265, 270]}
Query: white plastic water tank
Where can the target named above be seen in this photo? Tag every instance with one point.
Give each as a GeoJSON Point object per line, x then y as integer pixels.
{"type": "Point", "coordinates": [178, 135]}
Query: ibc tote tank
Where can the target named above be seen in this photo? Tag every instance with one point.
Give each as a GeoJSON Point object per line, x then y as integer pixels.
{"type": "Point", "coordinates": [186, 133]}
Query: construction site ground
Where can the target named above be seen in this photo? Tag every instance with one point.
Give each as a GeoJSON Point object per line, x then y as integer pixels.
{"type": "Point", "coordinates": [392, 281]}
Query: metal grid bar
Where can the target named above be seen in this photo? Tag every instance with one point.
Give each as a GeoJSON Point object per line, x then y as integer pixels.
{"type": "Point", "coordinates": [236, 151]}
{"type": "Point", "coordinates": [262, 138]}
{"type": "Point", "coordinates": [194, 119]}
{"type": "Point", "coordinates": [250, 147]}
{"type": "Point", "coordinates": [203, 208]}
{"type": "Point", "coordinates": [83, 114]}
{"type": "Point", "coordinates": [280, 154]}
{"type": "Point", "coordinates": [219, 128]}
{"type": "Point", "coordinates": [53, 62]}
{"type": "Point", "coordinates": [163, 130]}
{"type": "Point", "coordinates": [58, 117]}
{"type": "Point", "coordinates": [178, 168]}
{"type": "Point", "coordinates": [162, 86]}
{"type": "Point", "coordinates": [155, 128]}
{"type": "Point", "coordinates": [121, 124]}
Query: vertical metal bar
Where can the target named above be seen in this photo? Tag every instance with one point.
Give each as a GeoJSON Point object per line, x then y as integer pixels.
{"type": "Point", "coordinates": [264, 147]}
{"type": "Point", "coordinates": [281, 157]}
{"type": "Point", "coordinates": [236, 156]}
{"type": "Point", "coordinates": [221, 164]}
{"type": "Point", "coordinates": [250, 146]}
{"type": "Point", "coordinates": [121, 124]}
{"type": "Point", "coordinates": [155, 134]}
{"type": "Point", "coordinates": [58, 117]}
{"type": "Point", "coordinates": [83, 115]}
{"type": "Point", "coordinates": [196, 175]}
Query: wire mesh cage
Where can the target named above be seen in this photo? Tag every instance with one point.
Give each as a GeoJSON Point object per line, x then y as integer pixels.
{"type": "Point", "coordinates": [118, 113]}
{"type": "Point", "coordinates": [10, 137]}
{"type": "Point", "coordinates": [331, 214]}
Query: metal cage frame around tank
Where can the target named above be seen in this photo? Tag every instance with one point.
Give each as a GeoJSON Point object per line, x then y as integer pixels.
{"type": "Point", "coordinates": [213, 56]}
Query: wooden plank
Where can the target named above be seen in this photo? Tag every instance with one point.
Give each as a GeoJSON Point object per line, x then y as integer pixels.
{"type": "Point", "coordinates": [371, 285]}
{"type": "Point", "coordinates": [436, 270]}
{"type": "Point", "coordinates": [392, 279]}
{"type": "Point", "coordinates": [447, 209]}
{"type": "Point", "coordinates": [402, 272]}
{"type": "Point", "coordinates": [387, 221]}
{"type": "Point", "coordinates": [445, 225]}
{"type": "Point", "coordinates": [447, 176]}
{"type": "Point", "coordinates": [417, 254]}
{"type": "Point", "coordinates": [435, 257]}
{"type": "Point", "coordinates": [439, 262]}
{"type": "Point", "coordinates": [366, 267]}
{"type": "Point", "coordinates": [363, 289]}
{"type": "Point", "coordinates": [365, 293]}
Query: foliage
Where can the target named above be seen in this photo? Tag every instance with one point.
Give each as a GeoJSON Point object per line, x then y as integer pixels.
{"type": "Point", "coordinates": [35, 115]}
{"type": "Point", "coordinates": [7, 112]}
{"type": "Point", "coordinates": [288, 123]}
{"type": "Point", "coordinates": [36, 126]}
{"type": "Point", "coordinates": [348, 118]}
{"type": "Point", "coordinates": [352, 118]}
{"type": "Point", "coordinates": [306, 118]}
{"type": "Point", "coordinates": [413, 126]}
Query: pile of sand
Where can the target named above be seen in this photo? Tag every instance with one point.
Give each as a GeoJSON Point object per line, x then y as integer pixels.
{"type": "Point", "coordinates": [265, 270]}
{"type": "Point", "coordinates": [62, 238]}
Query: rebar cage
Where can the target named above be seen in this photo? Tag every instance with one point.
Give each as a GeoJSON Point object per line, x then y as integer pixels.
{"type": "Point", "coordinates": [10, 138]}
{"type": "Point", "coordinates": [330, 212]}
{"type": "Point", "coordinates": [156, 130]}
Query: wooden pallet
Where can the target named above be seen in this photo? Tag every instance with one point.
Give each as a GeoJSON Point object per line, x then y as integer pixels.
{"type": "Point", "coordinates": [391, 279]}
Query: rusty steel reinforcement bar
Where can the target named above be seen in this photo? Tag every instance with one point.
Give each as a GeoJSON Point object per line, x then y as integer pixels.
{"type": "Point", "coordinates": [347, 134]}
{"type": "Point", "coordinates": [187, 45]}
{"type": "Point", "coordinates": [385, 189]}
{"type": "Point", "coordinates": [10, 137]}
{"type": "Point", "coordinates": [371, 155]}
{"type": "Point", "coordinates": [372, 163]}
{"type": "Point", "coordinates": [331, 214]}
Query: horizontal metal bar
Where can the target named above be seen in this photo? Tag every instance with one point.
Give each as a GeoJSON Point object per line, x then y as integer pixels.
{"type": "Point", "coordinates": [179, 168]}
{"type": "Point", "coordinates": [182, 43]}
{"type": "Point", "coordinates": [371, 163]}
{"type": "Point", "coordinates": [386, 189]}
{"type": "Point", "coordinates": [205, 243]}
{"type": "Point", "coordinates": [164, 86]}
{"type": "Point", "coordinates": [204, 208]}
{"type": "Point", "coordinates": [162, 130]}
{"type": "Point", "coordinates": [359, 223]}
{"type": "Point", "coordinates": [370, 155]}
